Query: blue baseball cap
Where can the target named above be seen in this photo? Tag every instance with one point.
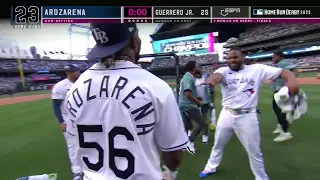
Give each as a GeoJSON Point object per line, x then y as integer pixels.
{"type": "Point", "coordinates": [110, 38]}
{"type": "Point", "coordinates": [71, 68]}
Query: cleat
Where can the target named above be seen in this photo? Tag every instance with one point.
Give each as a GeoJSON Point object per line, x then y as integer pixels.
{"type": "Point", "coordinates": [191, 149]}
{"type": "Point", "coordinates": [278, 129]}
{"type": "Point", "coordinates": [283, 137]}
{"type": "Point", "coordinates": [205, 174]}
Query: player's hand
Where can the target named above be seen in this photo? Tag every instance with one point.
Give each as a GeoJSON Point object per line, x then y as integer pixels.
{"type": "Point", "coordinates": [63, 127]}
{"type": "Point", "coordinates": [293, 87]}
{"type": "Point", "coordinates": [200, 98]}
{"type": "Point", "coordinates": [209, 82]}
{"type": "Point", "coordinates": [200, 103]}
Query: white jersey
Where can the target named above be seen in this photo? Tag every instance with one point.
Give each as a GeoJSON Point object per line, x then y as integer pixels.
{"type": "Point", "coordinates": [240, 89]}
{"type": "Point", "coordinates": [59, 92]}
{"type": "Point", "coordinates": [122, 116]}
{"type": "Point", "coordinates": [201, 89]}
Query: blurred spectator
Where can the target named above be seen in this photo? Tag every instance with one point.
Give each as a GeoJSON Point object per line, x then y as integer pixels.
{"type": "Point", "coordinates": [170, 62]}
{"type": "Point", "coordinates": [269, 31]}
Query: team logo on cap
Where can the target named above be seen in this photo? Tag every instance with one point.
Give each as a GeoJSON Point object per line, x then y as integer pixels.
{"type": "Point", "coordinates": [131, 29]}
{"type": "Point", "coordinates": [67, 67]}
{"type": "Point", "coordinates": [100, 36]}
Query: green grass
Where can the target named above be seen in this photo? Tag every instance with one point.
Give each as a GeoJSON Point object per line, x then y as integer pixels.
{"type": "Point", "coordinates": [32, 143]}
{"type": "Point", "coordinates": [28, 93]}
{"type": "Point", "coordinates": [308, 74]}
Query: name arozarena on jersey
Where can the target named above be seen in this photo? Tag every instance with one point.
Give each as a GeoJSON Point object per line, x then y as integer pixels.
{"type": "Point", "coordinates": [99, 88]}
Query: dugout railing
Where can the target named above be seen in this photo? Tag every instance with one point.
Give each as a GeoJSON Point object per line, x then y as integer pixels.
{"type": "Point", "coordinates": [176, 66]}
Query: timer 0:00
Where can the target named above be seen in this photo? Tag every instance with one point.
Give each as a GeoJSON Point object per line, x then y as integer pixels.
{"type": "Point", "coordinates": [139, 12]}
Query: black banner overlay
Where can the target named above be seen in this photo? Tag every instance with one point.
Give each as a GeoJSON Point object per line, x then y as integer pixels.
{"type": "Point", "coordinates": [181, 12]}
{"type": "Point", "coordinates": [162, 20]}
{"type": "Point", "coordinates": [140, 12]}
{"type": "Point", "coordinates": [230, 12]}
{"type": "Point", "coordinates": [285, 12]}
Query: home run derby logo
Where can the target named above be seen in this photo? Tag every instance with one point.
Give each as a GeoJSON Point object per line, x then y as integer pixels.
{"type": "Point", "coordinates": [249, 92]}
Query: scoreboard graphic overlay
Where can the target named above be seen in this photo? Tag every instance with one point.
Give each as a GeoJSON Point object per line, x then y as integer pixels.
{"type": "Point", "coordinates": [35, 16]}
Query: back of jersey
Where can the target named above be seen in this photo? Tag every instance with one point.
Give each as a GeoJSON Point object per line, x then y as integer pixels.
{"type": "Point", "coordinates": [117, 116]}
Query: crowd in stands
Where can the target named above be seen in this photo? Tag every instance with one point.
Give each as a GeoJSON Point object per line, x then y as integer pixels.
{"type": "Point", "coordinates": [40, 65]}
{"type": "Point", "coordinates": [270, 31]}
{"type": "Point", "coordinates": [8, 83]}
{"type": "Point", "coordinates": [170, 62]}
{"type": "Point", "coordinates": [208, 63]}
{"type": "Point", "coordinates": [34, 60]}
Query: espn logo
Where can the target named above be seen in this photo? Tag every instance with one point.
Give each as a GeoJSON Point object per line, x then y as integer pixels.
{"type": "Point", "coordinates": [258, 12]}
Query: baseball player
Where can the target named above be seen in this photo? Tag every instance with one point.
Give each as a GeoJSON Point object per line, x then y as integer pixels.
{"type": "Point", "coordinates": [276, 85]}
{"type": "Point", "coordinates": [59, 93]}
{"type": "Point", "coordinates": [207, 94]}
{"type": "Point", "coordinates": [189, 103]}
{"type": "Point", "coordinates": [123, 115]}
{"type": "Point", "coordinates": [240, 92]}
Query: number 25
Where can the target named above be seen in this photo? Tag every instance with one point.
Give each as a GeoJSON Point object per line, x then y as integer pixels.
{"type": "Point", "coordinates": [113, 152]}
{"type": "Point", "coordinates": [204, 12]}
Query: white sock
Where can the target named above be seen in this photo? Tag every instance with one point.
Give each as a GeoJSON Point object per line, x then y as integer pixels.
{"type": "Point", "coordinates": [189, 132]}
{"type": "Point", "coordinates": [213, 117]}
{"type": "Point", "coordinates": [204, 138]}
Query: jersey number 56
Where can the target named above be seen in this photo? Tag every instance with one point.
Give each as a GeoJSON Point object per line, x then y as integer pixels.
{"type": "Point", "coordinates": [113, 152]}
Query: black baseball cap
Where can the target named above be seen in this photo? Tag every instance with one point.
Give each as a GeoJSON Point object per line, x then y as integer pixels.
{"type": "Point", "coordinates": [71, 68]}
{"type": "Point", "coordinates": [110, 38]}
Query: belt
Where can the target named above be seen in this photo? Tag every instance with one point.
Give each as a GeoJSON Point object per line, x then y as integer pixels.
{"type": "Point", "coordinates": [240, 111]}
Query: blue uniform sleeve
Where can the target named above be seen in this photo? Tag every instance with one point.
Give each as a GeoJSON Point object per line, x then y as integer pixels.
{"type": "Point", "coordinates": [57, 110]}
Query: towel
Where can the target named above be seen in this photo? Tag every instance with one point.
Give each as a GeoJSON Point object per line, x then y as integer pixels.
{"type": "Point", "coordinates": [292, 106]}
{"type": "Point", "coordinates": [53, 176]}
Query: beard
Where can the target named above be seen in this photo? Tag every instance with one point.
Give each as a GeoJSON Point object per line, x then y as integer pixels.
{"type": "Point", "coordinates": [136, 57]}
{"type": "Point", "coordinates": [235, 67]}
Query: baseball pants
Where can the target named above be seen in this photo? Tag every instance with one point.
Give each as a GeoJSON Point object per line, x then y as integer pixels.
{"type": "Point", "coordinates": [205, 109]}
{"type": "Point", "coordinates": [195, 115]}
{"type": "Point", "coordinates": [246, 128]}
{"type": "Point", "coordinates": [72, 153]}
{"type": "Point", "coordinates": [282, 119]}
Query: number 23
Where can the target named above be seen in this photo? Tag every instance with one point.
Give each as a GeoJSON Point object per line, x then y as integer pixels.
{"type": "Point", "coordinates": [113, 152]}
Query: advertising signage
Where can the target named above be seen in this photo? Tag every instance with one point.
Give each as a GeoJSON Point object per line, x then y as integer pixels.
{"type": "Point", "coordinates": [187, 45]}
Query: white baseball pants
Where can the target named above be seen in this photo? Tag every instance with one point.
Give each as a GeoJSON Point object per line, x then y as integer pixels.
{"type": "Point", "coordinates": [246, 127]}
{"type": "Point", "coordinates": [72, 153]}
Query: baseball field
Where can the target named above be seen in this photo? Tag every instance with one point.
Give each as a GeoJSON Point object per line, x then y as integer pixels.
{"type": "Point", "coordinates": [32, 142]}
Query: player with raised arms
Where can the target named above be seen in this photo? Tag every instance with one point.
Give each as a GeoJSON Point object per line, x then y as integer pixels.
{"type": "Point", "coordinates": [240, 92]}
{"type": "Point", "coordinates": [122, 115]}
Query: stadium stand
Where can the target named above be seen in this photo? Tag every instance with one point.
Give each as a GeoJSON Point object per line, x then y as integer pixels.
{"type": "Point", "coordinates": [207, 61]}
{"type": "Point", "coordinates": [271, 31]}
{"type": "Point", "coordinates": [259, 37]}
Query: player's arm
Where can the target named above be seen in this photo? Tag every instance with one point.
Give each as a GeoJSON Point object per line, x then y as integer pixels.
{"type": "Point", "coordinates": [169, 132]}
{"type": "Point", "coordinates": [216, 77]}
{"type": "Point", "coordinates": [186, 86]}
{"type": "Point", "coordinates": [274, 72]}
{"type": "Point", "coordinates": [295, 71]}
{"type": "Point", "coordinates": [57, 98]}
